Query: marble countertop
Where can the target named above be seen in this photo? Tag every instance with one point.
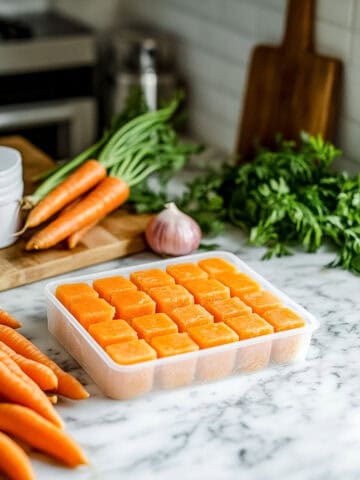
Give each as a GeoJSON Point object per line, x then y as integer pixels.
{"type": "Point", "coordinates": [298, 422]}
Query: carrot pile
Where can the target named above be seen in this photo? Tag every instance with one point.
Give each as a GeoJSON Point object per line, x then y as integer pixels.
{"type": "Point", "coordinates": [29, 384]}
{"type": "Point", "coordinates": [83, 191]}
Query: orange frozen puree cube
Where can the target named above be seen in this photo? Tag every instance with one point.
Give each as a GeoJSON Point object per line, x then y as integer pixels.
{"type": "Point", "coordinates": [113, 331]}
{"type": "Point", "coordinates": [239, 283]}
{"type": "Point", "coordinates": [213, 266]}
{"type": "Point", "coordinates": [132, 304]}
{"type": "Point", "coordinates": [189, 316]}
{"type": "Point", "coordinates": [107, 286]}
{"type": "Point", "coordinates": [207, 289]}
{"type": "Point", "coordinates": [261, 301]}
{"type": "Point", "coordinates": [212, 335]}
{"type": "Point", "coordinates": [283, 318]}
{"type": "Point", "coordinates": [149, 326]}
{"type": "Point", "coordinates": [127, 353]}
{"type": "Point", "coordinates": [147, 279]}
{"type": "Point", "coordinates": [169, 297]}
{"type": "Point", "coordinates": [90, 310]}
{"type": "Point", "coordinates": [230, 307]}
{"type": "Point", "coordinates": [173, 344]}
{"type": "Point", "coordinates": [73, 291]}
{"type": "Point", "coordinates": [182, 272]}
{"type": "Point", "coordinates": [249, 325]}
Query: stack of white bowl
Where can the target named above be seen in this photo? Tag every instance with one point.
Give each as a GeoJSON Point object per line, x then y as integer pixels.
{"type": "Point", "coordinates": [11, 192]}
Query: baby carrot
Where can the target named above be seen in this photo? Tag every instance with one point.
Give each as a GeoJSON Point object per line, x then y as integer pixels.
{"type": "Point", "coordinates": [9, 320]}
{"type": "Point", "coordinates": [76, 237]}
{"type": "Point", "coordinates": [80, 181]}
{"type": "Point", "coordinates": [109, 194]}
{"type": "Point", "coordinates": [41, 434]}
{"type": "Point", "coordinates": [19, 388]}
{"type": "Point", "coordinates": [14, 461]}
{"type": "Point", "coordinates": [42, 375]}
{"type": "Point", "coordinates": [68, 385]}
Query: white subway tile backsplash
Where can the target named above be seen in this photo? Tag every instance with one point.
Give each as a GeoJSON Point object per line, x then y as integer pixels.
{"type": "Point", "coordinates": [355, 48]}
{"type": "Point", "coordinates": [335, 11]}
{"type": "Point", "coordinates": [332, 40]}
{"type": "Point", "coordinates": [351, 93]}
{"type": "Point", "coordinates": [349, 139]}
{"type": "Point", "coordinates": [356, 15]}
{"type": "Point", "coordinates": [214, 42]}
{"type": "Point", "coordinates": [269, 25]}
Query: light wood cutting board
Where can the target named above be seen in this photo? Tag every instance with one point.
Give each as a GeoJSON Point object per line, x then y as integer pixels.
{"type": "Point", "coordinates": [290, 87]}
{"type": "Point", "coordinates": [117, 235]}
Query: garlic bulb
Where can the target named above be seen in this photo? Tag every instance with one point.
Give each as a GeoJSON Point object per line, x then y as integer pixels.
{"type": "Point", "coordinates": [172, 232]}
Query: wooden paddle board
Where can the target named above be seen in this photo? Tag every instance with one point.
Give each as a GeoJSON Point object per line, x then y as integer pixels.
{"type": "Point", "coordinates": [290, 88]}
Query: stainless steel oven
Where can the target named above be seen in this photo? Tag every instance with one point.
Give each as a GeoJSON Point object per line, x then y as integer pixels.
{"type": "Point", "coordinates": [48, 69]}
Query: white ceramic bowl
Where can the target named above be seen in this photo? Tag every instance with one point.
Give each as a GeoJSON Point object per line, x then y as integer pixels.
{"type": "Point", "coordinates": [11, 191]}
{"type": "Point", "coordinates": [10, 162]}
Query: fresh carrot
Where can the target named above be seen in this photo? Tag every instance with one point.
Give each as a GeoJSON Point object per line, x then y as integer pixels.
{"type": "Point", "coordinates": [68, 385]}
{"type": "Point", "coordinates": [41, 434]}
{"type": "Point", "coordinates": [107, 196]}
{"type": "Point", "coordinates": [76, 237]}
{"type": "Point", "coordinates": [18, 387]}
{"type": "Point", "coordinates": [42, 375]}
{"type": "Point", "coordinates": [80, 181]}
{"type": "Point", "coordinates": [14, 461]}
{"type": "Point", "coordinates": [9, 320]}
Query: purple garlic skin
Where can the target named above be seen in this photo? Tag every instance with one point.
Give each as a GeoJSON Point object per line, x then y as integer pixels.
{"type": "Point", "coordinates": [172, 232]}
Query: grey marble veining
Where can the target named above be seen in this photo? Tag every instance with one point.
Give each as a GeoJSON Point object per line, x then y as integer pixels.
{"type": "Point", "coordinates": [299, 422]}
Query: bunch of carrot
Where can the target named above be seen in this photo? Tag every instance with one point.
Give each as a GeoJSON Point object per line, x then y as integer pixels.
{"type": "Point", "coordinates": [83, 191]}
{"type": "Point", "coordinates": [26, 411]}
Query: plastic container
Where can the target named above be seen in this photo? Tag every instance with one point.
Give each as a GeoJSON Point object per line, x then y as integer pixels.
{"type": "Point", "coordinates": [235, 358]}
{"type": "Point", "coordinates": [11, 191]}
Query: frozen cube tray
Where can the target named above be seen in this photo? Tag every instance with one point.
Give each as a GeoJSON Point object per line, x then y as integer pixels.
{"type": "Point", "coordinates": [122, 382]}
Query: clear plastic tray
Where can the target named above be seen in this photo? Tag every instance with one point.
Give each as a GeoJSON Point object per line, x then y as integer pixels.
{"type": "Point", "coordinates": [122, 382]}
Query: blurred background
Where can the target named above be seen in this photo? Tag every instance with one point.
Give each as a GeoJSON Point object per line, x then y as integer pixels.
{"type": "Point", "coordinates": [66, 66]}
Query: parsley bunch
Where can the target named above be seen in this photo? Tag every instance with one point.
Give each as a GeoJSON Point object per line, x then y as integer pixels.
{"type": "Point", "coordinates": [285, 197]}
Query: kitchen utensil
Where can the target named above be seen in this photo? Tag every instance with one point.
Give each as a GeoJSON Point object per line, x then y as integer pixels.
{"type": "Point", "coordinates": [117, 235]}
{"type": "Point", "coordinates": [143, 58]}
{"type": "Point", "coordinates": [290, 88]}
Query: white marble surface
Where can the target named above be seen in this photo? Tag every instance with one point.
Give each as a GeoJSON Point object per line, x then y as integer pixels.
{"type": "Point", "coordinates": [299, 422]}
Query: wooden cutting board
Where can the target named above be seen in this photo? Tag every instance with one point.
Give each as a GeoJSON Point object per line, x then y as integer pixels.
{"type": "Point", "coordinates": [290, 88]}
{"type": "Point", "coordinates": [120, 234]}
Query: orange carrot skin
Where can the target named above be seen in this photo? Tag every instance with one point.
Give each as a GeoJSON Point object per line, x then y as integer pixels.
{"type": "Point", "coordinates": [41, 434]}
{"type": "Point", "coordinates": [42, 375]}
{"type": "Point", "coordinates": [76, 237]}
{"type": "Point", "coordinates": [67, 386]}
{"type": "Point", "coordinates": [14, 461]}
{"type": "Point", "coordinates": [109, 194]}
{"type": "Point", "coordinates": [83, 179]}
{"type": "Point", "coordinates": [19, 388]}
{"type": "Point", "coordinates": [9, 320]}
